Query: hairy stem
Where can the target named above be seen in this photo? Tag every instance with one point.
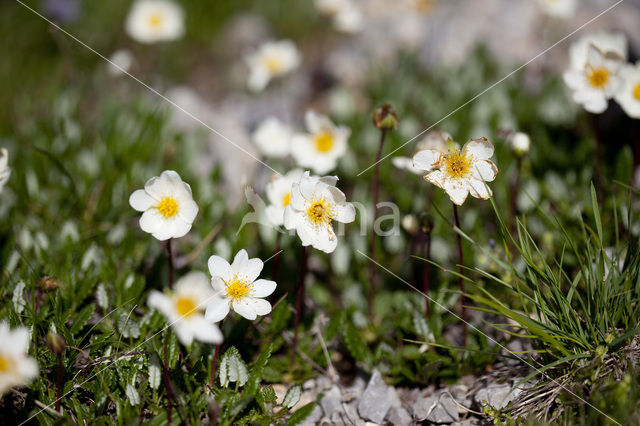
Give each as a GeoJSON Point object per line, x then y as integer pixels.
{"type": "Point", "coordinates": [463, 309]}
{"type": "Point", "coordinates": [214, 366]}
{"type": "Point", "coordinates": [170, 259]}
{"type": "Point", "coordinates": [372, 237]}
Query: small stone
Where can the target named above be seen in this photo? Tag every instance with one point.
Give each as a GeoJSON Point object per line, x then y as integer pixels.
{"type": "Point", "coordinates": [399, 416]}
{"type": "Point", "coordinates": [498, 396]}
{"type": "Point", "coordinates": [309, 385]}
{"type": "Point", "coordinates": [436, 409]}
{"type": "Point", "coordinates": [355, 389]}
{"type": "Point", "coordinates": [314, 417]}
{"type": "Point", "coordinates": [395, 398]}
{"type": "Point", "coordinates": [351, 413]}
{"type": "Point", "coordinates": [323, 383]}
{"type": "Point", "coordinates": [375, 401]}
{"type": "Point", "coordinates": [331, 401]}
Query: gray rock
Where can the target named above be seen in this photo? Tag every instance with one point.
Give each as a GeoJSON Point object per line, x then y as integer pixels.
{"type": "Point", "coordinates": [498, 396]}
{"type": "Point", "coordinates": [331, 401]}
{"type": "Point", "coordinates": [375, 401]}
{"type": "Point", "coordinates": [436, 409]}
{"type": "Point", "coordinates": [314, 417]}
{"type": "Point", "coordinates": [399, 416]}
{"type": "Point", "coordinates": [395, 398]}
{"type": "Point", "coordinates": [351, 414]}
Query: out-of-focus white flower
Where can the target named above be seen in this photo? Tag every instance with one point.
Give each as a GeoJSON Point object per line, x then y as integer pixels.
{"type": "Point", "coordinates": [238, 287]}
{"type": "Point", "coordinates": [321, 148]}
{"type": "Point", "coordinates": [16, 368]}
{"type": "Point", "coordinates": [152, 21]}
{"type": "Point", "coordinates": [520, 143]}
{"type": "Point", "coordinates": [436, 140]}
{"type": "Point", "coordinates": [597, 82]}
{"type": "Point", "coordinates": [629, 95]}
{"type": "Point", "coordinates": [272, 59]}
{"type": "Point", "coordinates": [5, 170]}
{"type": "Point", "coordinates": [184, 309]}
{"type": "Point", "coordinates": [168, 206]}
{"type": "Point", "coordinates": [279, 195]}
{"type": "Point", "coordinates": [460, 172]}
{"type": "Point", "coordinates": [606, 42]}
{"type": "Point", "coordinates": [315, 204]}
{"type": "Point", "coordinates": [346, 15]}
{"type": "Point", "coordinates": [273, 137]}
{"type": "Point", "coordinates": [120, 62]}
{"type": "Point", "coordinates": [558, 8]}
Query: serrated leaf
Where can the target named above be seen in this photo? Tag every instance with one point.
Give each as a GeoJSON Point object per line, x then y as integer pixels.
{"type": "Point", "coordinates": [132, 395]}
{"type": "Point", "coordinates": [174, 349]}
{"type": "Point", "coordinates": [155, 372]}
{"type": "Point", "coordinates": [101, 297]}
{"type": "Point", "coordinates": [128, 326]}
{"type": "Point", "coordinates": [421, 326]}
{"type": "Point", "coordinates": [255, 375]}
{"type": "Point", "coordinates": [18, 299]}
{"type": "Point", "coordinates": [356, 344]}
{"type": "Point", "coordinates": [80, 319]}
{"type": "Point", "coordinates": [292, 396]}
{"type": "Point", "coordinates": [301, 414]}
{"type": "Point", "coordinates": [232, 368]}
{"type": "Point", "coordinates": [268, 394]}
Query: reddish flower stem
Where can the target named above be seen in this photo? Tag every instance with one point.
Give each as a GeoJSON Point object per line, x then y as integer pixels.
{"type": "Point", "coordinates": [165, 370]}
{"type": "Point", "coordinates": [59, 384]}
{"type": "Point", "coordinates": [170, 259]}
{"type": "Point", "coordinates": [214, 366]}
{"type": "Point", "coordinates": [463, 309]}
{"type": "Point", "coordinates": [299, 302]}
{"type": "Point", "coordinates": [372, 237]}
{"type": "Point", "coordinates": [427, 272]}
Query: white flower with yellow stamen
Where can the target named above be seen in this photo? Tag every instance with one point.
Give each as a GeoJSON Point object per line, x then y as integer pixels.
{"type": "Point", "coordinates": [315, 204]}
{"type": "Point", "coordinates": [273, 137]}
{"type": "Point", "coordinates": [185, 307]}
{"type": "Point", "coordinates": [272, 59]}
{"type": "Point", "coordinates": [346, 15]}
{"type": "Point", "coordinates": [606, 42]}
{"type": "Point", "coordinates": [16, 368]}
{"type": "Point", "coordinates": [239, 287]}
{"type": "Point", "coordinates": [597, 82]}
{"type": "Point", "coordinates": [460, 172]}
{"type": "Point", "coordinates": [279, 195]}
{"type": "Point", "coordinates": [321, 148]}
{"type": "Point", "coordinates": [168, 206]}
{"type": "Point", "coordinates": [629, 95]}
{"type": "Point", "coordinates": [152, 21]}
{"type": "Point", "coordinates": [558, 8]}
{"type": "Point", "coordinates": [436, 140]}
{"type": "Point", "coordinates": [5, 170]}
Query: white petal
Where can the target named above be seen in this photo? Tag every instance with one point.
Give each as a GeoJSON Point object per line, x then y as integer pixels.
{"type": "Point", "coordinates": [177, 228]}
{"type": "Point", "coordinates": [436, 177]}
{"type": "Point", "coordinates": [275, 215]}
{"type": "Point", "coordinates": [141, 201]}
{"type": "Point", "coordinates": [207, 332]}
{"type": "Point", "coordinates": [345, 212]}
{"type": "Point", "coordinates": [239, 261]}
{"type": "Point", "coordinates": [151, 221]}
{"type": "Point", "coordinates": [217, 310]}
{"type": "Point", "coordinates": [427, 159]}
{"type": "Point", "coordinates": [326, 240]}
{"type": "Point", "coordinates": [244, 308]}
{"type": "Point", "coordinates": [480, 148]}
{"type": "Point", "coordinates": [263, 288]}
{"type": "Point", "coordinates": [252, 269]}
{"type": "Point", "coordinates": [184, 331]}
{"type": "Point", "coordinates": [479, 189]}
{"type": "Point", "coordinates": [259, 306]}
{"type": "Point", "coordinates": [161, 302]}
{"type": "Point", "coordinates": [484, 170]}
{"type": "Point", "coordinates": [457, 190]}
{"type": "Point", "coordinates": [219, 267]}
{"type": "Point", "coordinates": [188, 210]}
{"type": "Point", "coordinates": [291, 217]}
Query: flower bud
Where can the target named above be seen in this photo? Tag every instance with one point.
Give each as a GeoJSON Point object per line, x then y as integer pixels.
{"type": "Point", "coordinates": [410, 224]}
{"type": "Point", "coordinates": [48, 283]}
{"type": "Point", "coordinates": [385, 117]}
{"type": "Point", "coordinates": [520, 143]}
{"type": "Point", "coordinates": [56, 343]}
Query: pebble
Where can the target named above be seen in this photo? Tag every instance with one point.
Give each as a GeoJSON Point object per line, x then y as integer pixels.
{"type": "Point", "coordinates": [375, 401]}
{"type": "Point", "coordinates": [398, 416]}
{"type": "Point", "coordinates": [498, 396]}
{"type": "Point", "coordinates": [436, 409]}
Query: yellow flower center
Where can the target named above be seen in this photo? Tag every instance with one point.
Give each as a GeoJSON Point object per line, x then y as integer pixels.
{"type": "Point", "coordinates": [273, 64]}
{"type": "Point", "coordinates": [598, 77]}
{"type": "Point", "coordinates": [156, 20]}
{"type": "Point", "coordinates": [323, 141]}
{"type": "Point", "coordinates": [286, 200]}
{"type": "Point", "coordinates": [168, 207]}
{"type": "Point", "coordinates": [4, 364]}
{"type": "Point", "coordinates": [320, 213]}
{"type": "Point", "coordinates": [457, 164]}
{"type": "Point", "coordinates": [238, 288]}
{"type": "Point", "coordinates": [186, 306]}
{"type": "Point", "coordinates": [636, 91]}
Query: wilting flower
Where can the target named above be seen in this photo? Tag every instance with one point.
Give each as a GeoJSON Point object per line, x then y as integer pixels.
{"type": "Point", "coordinates": [152, 21]}
{"type": "Point", "coordinates": [346, 15]}
{"type": "Point", "coordinates": [436, 140]}
{"type": "Point", "coordinates": [597, 82]}
{"type": "Point", "coordinates": [168, 206]}
{"type": "Point", "coordinates": [16, 368]}
{"type": "Point", "coordinates": [185, 307]}
{"type": "Point", "coordinates": [520, 143]}
{"type": "Point", "coordinates": [321, 148]}
{"type": "Point", "coordinates": [629, 95]}
{"type": "Point", "coordinates": [279, 195]}
{"type": "Point", "coordinates": [272, 59]}
{"type": "Point", "coordinates": [558, 8]}
{"type": "Point", "coordinates": [315, 204]}
{"type": "Point", "coordinates": [460, 172]}
{"type": "Point", "coordinates": [5, 170]}
{"type": "Point", "coordinates": [606, 42]}
{"type": "Point", "coordinates": [238, 287]}
{"type": "Point", "coordinates": [273, 137]}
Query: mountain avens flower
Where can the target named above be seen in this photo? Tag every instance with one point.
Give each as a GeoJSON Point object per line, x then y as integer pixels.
{"type": "Point", "coordinates": [185, 307]}
{"type": "Point", "coordinates": [152, 21]}
{"type": "Point", "coordinates": [168, 206]}
{"type": "Point", "coordinates": [558, 8]}
{"type": "Point", "coordinates": [16, 367]}
{"type": "Point", "coordinates": [272, 59]}
{"type": "Point", "coordinates": [460, 172]}
{"type": "Point", "coordinates": [279, 195]}
{"type": "Point", "coordinates": [606, 42]}
{"type": "Point", "coordinates": [315, 204]}
{"type": "Point", "coordinates": [629, 94]}
{"type": "Point", "coordinates": [273, 138]}
{"type": "Point", "coordinates": [435, 140]}
{"type": "Point", "coordinates": [520, 143]}
{"type": "Point", "coordinates": [5, 170]}
{"type": "Point", "coordinates": [346, 15]}
{"type": "Point", "coordinates": [321, 148]}
{"type": "Point", "coordinates": [238, 287]}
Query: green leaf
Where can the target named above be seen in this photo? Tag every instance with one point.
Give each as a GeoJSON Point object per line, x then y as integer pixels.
{"type": "Point", "coordinates": [356, 344]}
{"type": "Point", "coordinates": [81, 318]}
{"type": "Point", "coordinates": [292, 396]}
{"type": "Point", "coordinates": [155, 372]}
{"type": "Point", "coordinates": [232, 368]}
{"type": "Point", "coordinates": [301, 414]}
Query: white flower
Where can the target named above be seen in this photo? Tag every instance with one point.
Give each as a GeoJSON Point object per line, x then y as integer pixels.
{"type": "Point", "coordinates": [558, 8]}
{"type": "Point", "coordinates": [273, 137]}
{"type": "Point", "coordinates": [460, 172]}
{"type": "Point", "coordinates": [120, 62]}
{"type": "Point", "coordinates": [629, 95]}
{"type": "Point", "coordinates": [279, 195]}
{"type": "Point", "coordinates": [597, 82]}
{"type": "Point", "coordinates": [5, 170]}
{"type": "Point", "coordinates": [272, 59]}
{"type": "Point", "coordinates": [184, 309]}
{"type": "Point", "coordinates": [238, 287]}
{"type": "Point", "coordinates": [168, 206]}
{"type": "Point", "coordinates": [436, 140]}
{"type": "Point", "coordinates": [315, 204]}
{"type": "Point", "coordinates": [346, 16]}
{"type": "Point", "coordinates": [151, 21]}
{"type": "Point", "coordinates": [520, 143]}
{"type": "Point", "coordinates": [606, 42]}
{"type": "Point", "coordinates": [321, 148]}
{"type": "Point", "coordinates": [16, 368]}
